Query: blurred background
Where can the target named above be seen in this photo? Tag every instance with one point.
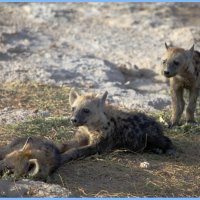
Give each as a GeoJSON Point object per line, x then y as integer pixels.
{"type": "Point", "coordinates": [96, 46]}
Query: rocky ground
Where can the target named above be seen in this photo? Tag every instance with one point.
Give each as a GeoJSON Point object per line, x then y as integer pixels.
{"type": "Point", "coordinates": [28, 187]}
{"type": "Point", "coordinates": [95, 47]}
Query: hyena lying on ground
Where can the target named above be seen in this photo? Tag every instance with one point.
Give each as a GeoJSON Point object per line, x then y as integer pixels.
{"type": "Point", "coordinates": [183, 68]}
{"type": "Point", "coordinates": [103, 128]}
{"type": "Point", "coordinates": [32, 156]}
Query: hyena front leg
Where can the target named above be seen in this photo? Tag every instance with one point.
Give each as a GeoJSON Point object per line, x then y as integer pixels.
{"type": "Point", "coordinates": [178, 105]}
{"type": "Point", "coordinates": [68, 145]}
{"type": "Point", "coordinates": [193, 95]}
{"type": "Point", "coordinates": [77, 153]}
{"type": "Point", "coordinates": [78, 141]}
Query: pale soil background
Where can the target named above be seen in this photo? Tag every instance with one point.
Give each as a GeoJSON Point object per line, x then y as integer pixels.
{"type": "Point", "coordinates": [95, 47]}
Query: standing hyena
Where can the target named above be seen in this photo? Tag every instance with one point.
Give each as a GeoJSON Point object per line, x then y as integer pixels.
{"type": "Point", "coordinates": [103, 128]}
{"type": "Point", "coordinates": [182, 67]}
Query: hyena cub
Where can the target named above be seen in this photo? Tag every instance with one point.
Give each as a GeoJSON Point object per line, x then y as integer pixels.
{"type": "Point", "coordinates": [183, 68]}
{"type": "Point", "coordinates": [103, 128]}
{"type": "Point", "coordinates": [32, 156]}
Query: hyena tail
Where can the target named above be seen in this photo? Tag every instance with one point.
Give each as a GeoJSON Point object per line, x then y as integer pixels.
{"type": "Point", "coordinates": [161, 144]}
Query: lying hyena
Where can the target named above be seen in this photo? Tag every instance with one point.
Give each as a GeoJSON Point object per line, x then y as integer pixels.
{"type": "Point", "coordinates": [182, 67]}
{"type": "Point", "coordinates": [103, 128]}
{"type": "Point", "coordinates": [30, 156]}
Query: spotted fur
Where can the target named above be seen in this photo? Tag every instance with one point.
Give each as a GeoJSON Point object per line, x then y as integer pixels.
{"type": "Point", "coordinates": [183, 68]}
{"type": "Point", "coordinates": [105, 128]}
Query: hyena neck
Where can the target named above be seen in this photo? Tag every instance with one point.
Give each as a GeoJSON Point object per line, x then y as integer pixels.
{"type": "Point", "coordinates": [100, 124]}
{"type": "Point", "coordinates": [188, 70]}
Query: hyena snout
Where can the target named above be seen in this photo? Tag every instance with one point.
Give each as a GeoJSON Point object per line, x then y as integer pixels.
{"type": "Point", "coordinates": [77, 121]}
{"type": "Point", "coordinates": [169, 72]}
{"type": "Point", "coordinates": [74, 120]}
{"type": "Point", "coordinates": [166, 72]}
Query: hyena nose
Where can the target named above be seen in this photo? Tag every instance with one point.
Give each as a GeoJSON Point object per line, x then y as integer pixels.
{"type": "Point", "coordinates": [166, 72]}
{"type": "Point", "coordinates": [74, 120]}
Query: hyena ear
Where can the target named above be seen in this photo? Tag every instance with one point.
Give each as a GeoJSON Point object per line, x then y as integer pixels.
{"type": "Point", "coordinates": [73, 95]}
{"type": "Point", "coordinates": [102, 98]}
{"type": "Point", "coordinates": [191, 51]}
{"type": "Point", "coordinates": [166, 46]}
{"type": "Point", "coordinates": [27, 144]}
{"type": "Point", "coordinates": [36, 167]}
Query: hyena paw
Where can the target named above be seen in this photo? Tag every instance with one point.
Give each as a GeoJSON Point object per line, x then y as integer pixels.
{"type": "Point", "coordinates": [171, 152]}
{"type": "Point", "coordinates": [173, 124]}
{"type": "Point", "coordinates": [191, 122]}
{"type": "Point", "coordinates": [157, 151]}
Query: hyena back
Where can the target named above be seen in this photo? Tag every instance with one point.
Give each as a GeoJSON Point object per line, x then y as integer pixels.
{"type": "Point", "coordinates": [32, 156]}
{"type": "Point", "coordinates": [183, 68]}
{"type": "Point", "coordinates": [103, 128]}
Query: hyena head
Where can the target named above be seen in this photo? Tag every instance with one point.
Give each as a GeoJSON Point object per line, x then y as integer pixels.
{"type": "Point", "coordinates": [176, 60]}
{"type": "Point", "coordinates": [87, 110]}
{"type": "Point", "coordinates": [20, 162]}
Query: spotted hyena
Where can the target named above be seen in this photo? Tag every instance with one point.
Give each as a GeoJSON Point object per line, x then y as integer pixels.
{"type": "Point", "coordinates": [102, 128]}
{"type": "Point", "coordinates": [32, 156]}
{"type": "Point", "coordinates": [183, 68]}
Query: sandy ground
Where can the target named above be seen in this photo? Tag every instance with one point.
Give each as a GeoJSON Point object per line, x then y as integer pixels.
{"type": "Point", "coordinates": [96, 46]}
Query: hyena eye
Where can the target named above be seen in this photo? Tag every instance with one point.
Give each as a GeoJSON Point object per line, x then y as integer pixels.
{"type": "Point", "coordinates": [176, 62]}
{"type": "Point", "coordinates": [86, 110]}
{"type": "Point", "coordinates": [164, 61]}
{"type": "Point", "coordinates": [73, 109]}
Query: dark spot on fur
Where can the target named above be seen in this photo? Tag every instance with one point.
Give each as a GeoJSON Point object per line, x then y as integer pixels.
{"type": "Point", "coordinates": [197, 52]}
{"type": "Point", "coordinates": [114, 121]}
{"type": "Point", "coordinates": [105, 128]}
{"type": "Point", "coordinates": [136, 118]}
{"type": "Point", "coordinates": [137, 130]}
{"type": "Point", "coordinates": [126, 127]}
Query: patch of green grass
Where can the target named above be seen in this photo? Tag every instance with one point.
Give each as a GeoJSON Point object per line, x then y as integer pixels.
{"type": "Point", "coordinates": [35, 96]}
{"type": "Point", "coordinates": [54, 128]}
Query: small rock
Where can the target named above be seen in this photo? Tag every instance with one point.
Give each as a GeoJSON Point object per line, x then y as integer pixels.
{"type": "Point", "coordinates": [26, 187]}
{"type": "Point", "coordinates": [144, 165]}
